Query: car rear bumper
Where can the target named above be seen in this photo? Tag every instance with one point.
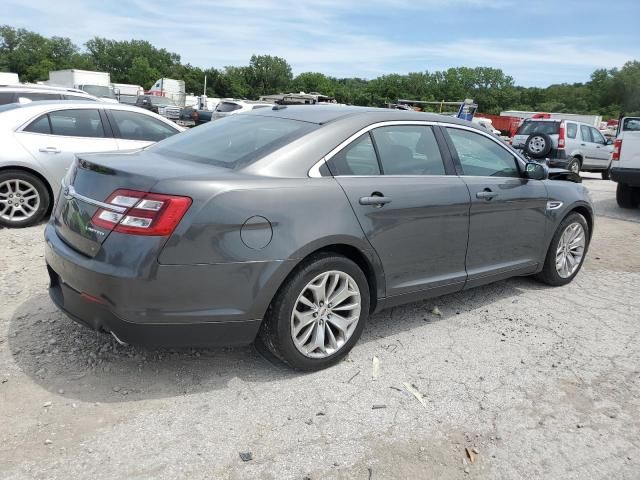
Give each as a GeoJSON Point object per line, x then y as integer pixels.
{"type": "Point", "coordinates": [628, 176]}
{"type": "Point", "coordinates": [177, 306]}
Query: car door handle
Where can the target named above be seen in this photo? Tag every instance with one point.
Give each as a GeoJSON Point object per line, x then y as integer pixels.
{"type": "Point", "coordinates": [50, 150]}
{"type": "Point", "coordinates": [375, 200]}
{"type": "Point", "coordinates": [486, 194]}
{"type": "Point", "coordinates": [583, 144]}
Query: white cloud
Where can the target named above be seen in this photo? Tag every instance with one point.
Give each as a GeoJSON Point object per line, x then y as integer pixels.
{"type": "Point", "coordinates": [319, 35]}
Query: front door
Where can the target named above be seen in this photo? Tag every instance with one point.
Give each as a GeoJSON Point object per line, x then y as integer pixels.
{"type": "Point", "coordinates": [414, 215]}
{"type": "Point", "coordinates": [507, 222]}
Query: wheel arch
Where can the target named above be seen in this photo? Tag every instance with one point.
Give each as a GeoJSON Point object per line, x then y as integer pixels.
{"type": "Point", "coordinates": [37, 174]}
{"type": "Point", "coordinates": [586, 212]}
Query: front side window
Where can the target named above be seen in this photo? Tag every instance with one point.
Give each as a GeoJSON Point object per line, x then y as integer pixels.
{"type": "Point", "coordinates": [481, 156]}
{"type": "Point", "coordinates": [138, 126]}
{"type": "Point", "coordinates": [77, 123]}
{"type": "Point", "coordinates": [358, 158]}
{"type": "Point", "coordinates": [408, 150]}
{"type": "Point", "coordinates": [586, 133]}
{"type": "Point", "coordinates": [631, 124]}
{"type": "Point", "coordinates": [597, 136]}
{"type": "Point", "coordinates": [572, 130]}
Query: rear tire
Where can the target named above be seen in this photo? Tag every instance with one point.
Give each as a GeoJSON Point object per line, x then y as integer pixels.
{"type": "Point", "coordinates": [626, 196]}
{"type": "Point", "coordinates": [24, 199]}
{"type": "Point", "coordinates": [574, 165]}
{"type": "Point", "coordinates": [550, 274]}
{"type": "Point", "coordinates": [278, 329]}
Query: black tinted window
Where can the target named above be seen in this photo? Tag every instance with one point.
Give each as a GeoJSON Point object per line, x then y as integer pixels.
{"type": "Point", "coordinates": [572, 130]}
{"type": "Point", "coordinates": [586, 133]}
{"type": "Point", "coordinates": [482, 157]}
{"type": "Point", "coordinates": [39, 125]}
{"type": "Point", "coordinates": [227, 107]}
{"type": "Point", "coordinates": [138, 126]}
{"type": "Point", "coordinates": [76, 123]}
{"type": "Point", "coordinates": [532, 126]}
{"type": "Point", "coordinates": [631, 125]}
{"type": "Point", "coordinates": [234, 141]}
{"type": "Point", "coordinates": [34, 96]}
{"type": "Point", "coordinates": [6, 97]}
{"type": "Point", "coordinates": [408, 150]}
{"type": "Point", "coordinates": [358, 158]}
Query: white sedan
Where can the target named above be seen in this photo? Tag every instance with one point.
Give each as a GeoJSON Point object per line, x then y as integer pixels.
{"type": "Point", "coordinates": [41, 139]}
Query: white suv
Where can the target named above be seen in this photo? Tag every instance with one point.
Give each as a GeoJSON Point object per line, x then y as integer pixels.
{"type": "Point", "coordinates": [625, 162]}
{"type": "Point", "coordinates": [565, 143]}
{"type": "Point", "coordinates": [230, 107]}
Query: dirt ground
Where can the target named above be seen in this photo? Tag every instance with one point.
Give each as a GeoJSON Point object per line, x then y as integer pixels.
{"type": "Point", "coordinates": [531, 381]}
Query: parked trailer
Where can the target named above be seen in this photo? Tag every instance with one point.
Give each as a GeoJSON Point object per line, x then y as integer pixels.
{"type": "Point", "coordinates": [8, 78]}
{"type": "Point", "coordinates": [508, 126]}
{"type": "Point", "coordinates": [590, 119]}
{"type": "Point", "coordinates": [94, 83]}
{"type": "Point", "coordinates": [170, 88]}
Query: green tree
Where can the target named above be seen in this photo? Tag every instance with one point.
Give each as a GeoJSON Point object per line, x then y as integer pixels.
{"type": "Point", "coordinates": [266, 75]}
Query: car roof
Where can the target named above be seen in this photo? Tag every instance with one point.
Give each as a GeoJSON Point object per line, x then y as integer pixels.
{"type": "Point", "coordinates": [38, 88]}
{"type": "Point", "coordinates": [326, 113]}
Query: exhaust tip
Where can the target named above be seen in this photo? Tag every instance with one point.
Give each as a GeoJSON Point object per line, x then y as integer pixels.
{"type": "Point", "coordinates": [118, 340]}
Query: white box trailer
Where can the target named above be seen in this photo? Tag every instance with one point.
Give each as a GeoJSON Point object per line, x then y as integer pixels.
{"type": "Point", "coordinates": [94, 83]}
{"type": "Point", "coordinates": [590, 119]}
{"type": "Point", "coordinates": [128, 89]}
{"type": "Point", "coordinates": [170, 88]}
{"type": "Point", "coordinates": [8, 78]}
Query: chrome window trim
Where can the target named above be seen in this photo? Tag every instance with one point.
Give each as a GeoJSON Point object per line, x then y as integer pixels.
{"type": "Point", "coordinates": [314, 171]}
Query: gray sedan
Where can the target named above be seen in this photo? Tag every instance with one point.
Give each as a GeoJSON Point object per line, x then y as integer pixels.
{"type": "Point", "coordinates": [293, 224]}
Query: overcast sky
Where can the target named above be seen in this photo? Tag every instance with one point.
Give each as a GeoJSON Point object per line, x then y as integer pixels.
{"type": "Point", "coordinates": [537, 42]}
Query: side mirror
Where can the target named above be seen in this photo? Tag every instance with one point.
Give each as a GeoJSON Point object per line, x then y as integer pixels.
{"type": "Point", "coordinates": [536, 171]}
{"type": "Point", "coordinates": [609, 141]}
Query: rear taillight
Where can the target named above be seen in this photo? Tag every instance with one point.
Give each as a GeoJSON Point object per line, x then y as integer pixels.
{"type": "Point", "coordinates": [617, 146]}
{"type": "Point", "coordinates": [561, 135]}
{"type": "Point", "coordinates": [195, 115]}
{"type": "Point", "coordinates": [147, 213]}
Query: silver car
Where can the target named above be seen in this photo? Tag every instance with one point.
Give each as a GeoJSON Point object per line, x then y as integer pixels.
{"type": "Point", "coordinates": [567, 144]}
{"type": "Point", "coordinates": [40, 140]}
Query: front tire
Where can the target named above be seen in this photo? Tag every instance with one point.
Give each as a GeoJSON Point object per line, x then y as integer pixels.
{"type": "Point", "coordinates": [24, 199]}
{"type": "Point", "coordinates": [318, 314]}
{"type": "Point", "coordinates": [567, 251]}
{"type": "Point", "coordinates": [626, 196]}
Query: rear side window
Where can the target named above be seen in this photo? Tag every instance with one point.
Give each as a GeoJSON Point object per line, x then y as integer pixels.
{"type": "Point", "coordinates": [408, 150]}
{"type": "Point", "coordinates": [39, 125]}
{"type": "Point", "coordinates": [138, 126]}
{"type": "Point", "coordinates": [234, 141]}
{"type": "Point", "coordinates": [35, 96]}
{"type": "Point", "coordinates": [586, 133]}
{"type": "Point", "coordinates": [78, 97]}
{"type": "Point", "coordinates": [76, 123]}
{"type": "Point", "coordinates": [6, 97]}
{"type": "Point", "coordinates": [358, 158]}
{"type": "Point", "coordinates": [572, 130]}
{"type": "Point", "coordinates": [631, 125]}
{"type": "Point", "coordinates": [227, 107]}
{"type": "Point", "coordinates": [533, 126]}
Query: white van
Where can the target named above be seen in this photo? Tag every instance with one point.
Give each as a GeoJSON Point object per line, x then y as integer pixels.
{"type": "Point", "coordinates": [625, 162]}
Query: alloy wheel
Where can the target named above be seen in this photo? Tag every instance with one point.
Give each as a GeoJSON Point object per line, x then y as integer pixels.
{"type": "Point", "coordinates": [325, 314]}
{"type": "Point", "coordinates": [570, 250]}
{"type": "Point", "coordinates": [19, 200]}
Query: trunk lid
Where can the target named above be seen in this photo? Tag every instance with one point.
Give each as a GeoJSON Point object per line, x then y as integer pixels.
{"type": "Point", "coordinates": [94, 177]}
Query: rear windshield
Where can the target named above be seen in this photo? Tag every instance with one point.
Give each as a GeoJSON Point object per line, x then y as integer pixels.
{"type": "Point", "coordinates": [235, 141]}
{"type": "Point", "coordinates": [531, 126]}
{"type": "Point", "coordinates": [631, 124]}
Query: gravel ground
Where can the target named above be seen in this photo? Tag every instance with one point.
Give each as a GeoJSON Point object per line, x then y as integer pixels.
{"type": "Point", "coordinates": [535, 382]}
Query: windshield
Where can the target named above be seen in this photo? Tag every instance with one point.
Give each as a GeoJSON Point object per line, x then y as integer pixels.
{"type": "Point", "coordinates": [529, 127]}
{"type": "Point", "coordinates": [99, 91]}
{"type": "Point", "coordinates": [234, 141]}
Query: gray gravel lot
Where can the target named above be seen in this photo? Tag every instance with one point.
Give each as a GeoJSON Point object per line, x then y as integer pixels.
{"type": "Point", "coordinates": [541, 382]}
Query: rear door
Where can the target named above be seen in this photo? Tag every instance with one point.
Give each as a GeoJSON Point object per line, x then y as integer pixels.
{"type": "Point", "coordinates": [587, 147]}
{"type": "Point", "coordinates": [412, 207]}
{"type": "Point", "coordinates": [137, 130]}
{"type": "Point", "coordinates": [55, 138]}
{"type": "Point", "coordinates": [507, 216]}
